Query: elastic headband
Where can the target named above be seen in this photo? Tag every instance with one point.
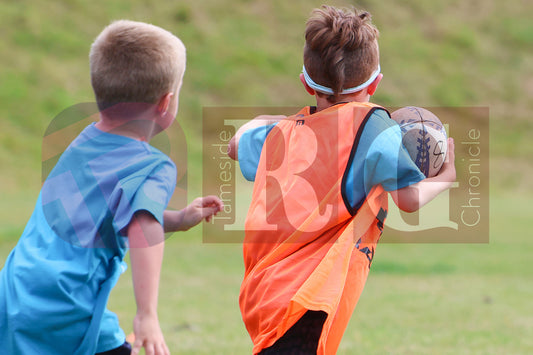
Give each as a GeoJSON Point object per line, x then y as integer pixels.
{"type": "Point", "coordinates": [326, 90]}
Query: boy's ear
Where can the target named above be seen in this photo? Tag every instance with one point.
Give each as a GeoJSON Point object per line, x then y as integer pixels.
{"type": "Point", "coordinates": [307, 87]}
{"type": "Point", "coordinates": [164, 103]}
{"type": "Point", "coordinates": [374, 86]}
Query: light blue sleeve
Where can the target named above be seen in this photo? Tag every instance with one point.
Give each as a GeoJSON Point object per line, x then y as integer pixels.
{"type": "Point", "coordinates": [150, 193]}
{"type": "Point", "coordinates": [388, 163]}
{"type": "Point", "coordinates": [250, 147]}
{"type": "Point", "coordinates": [380, 158]}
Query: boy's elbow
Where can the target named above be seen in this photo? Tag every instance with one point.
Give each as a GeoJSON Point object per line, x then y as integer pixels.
{"type": "Point", "coordinates": [409, 206]}
{"type": "Point", "coordinates": [407, 199]}
{"type": "Point", "coordinates": [232, 148]}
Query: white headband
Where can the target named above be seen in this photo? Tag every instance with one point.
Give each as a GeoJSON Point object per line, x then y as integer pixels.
{"type": "Point", "coordinates": [326, 90]}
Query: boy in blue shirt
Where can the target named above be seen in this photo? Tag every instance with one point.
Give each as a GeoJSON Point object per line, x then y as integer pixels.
{"type": "Point", "coordinates": [107, 194]}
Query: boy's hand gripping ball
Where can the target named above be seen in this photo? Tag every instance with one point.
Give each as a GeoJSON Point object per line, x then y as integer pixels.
{"type": "Point", "coordinates": [424, 137]}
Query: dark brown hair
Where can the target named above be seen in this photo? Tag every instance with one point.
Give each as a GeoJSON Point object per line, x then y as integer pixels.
{"type": "Point", "coordinates": [341, 49]}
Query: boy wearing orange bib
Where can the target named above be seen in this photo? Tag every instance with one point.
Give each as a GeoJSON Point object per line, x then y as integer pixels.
{"type": "Point", "coordinates": [320, 192]}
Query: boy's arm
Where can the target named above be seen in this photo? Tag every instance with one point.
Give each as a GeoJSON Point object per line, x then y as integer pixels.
{"type": "Point", "coordinates": [259, 121]}
{"type": "Point", "coordinates": [413, 197]}
{"type": "Point", "coordinates": [146, 238]}
{"type": "Point", "coordinates": [200, 208]}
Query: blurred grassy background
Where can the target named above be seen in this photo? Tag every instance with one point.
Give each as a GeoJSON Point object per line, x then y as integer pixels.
{"type": "Point", "coordinates": [420, 299]}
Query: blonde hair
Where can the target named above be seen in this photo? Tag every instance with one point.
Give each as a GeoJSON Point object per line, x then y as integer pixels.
{"type": "Point", "coordinates": [341, 49]}
{"type": "Point", "coordinates": [135, 62]}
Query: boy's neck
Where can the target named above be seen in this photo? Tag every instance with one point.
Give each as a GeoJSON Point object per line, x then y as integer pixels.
{"type": "Point", "coordinates": [323, 103]}
{"type": "Point", "coordinates": [138, 130]}
{"type": "Point", "coordinates": [137, 121]}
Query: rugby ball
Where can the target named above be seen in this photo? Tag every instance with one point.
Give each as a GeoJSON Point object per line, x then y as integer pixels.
{"type": "Point", "coordinates": [424, 137]}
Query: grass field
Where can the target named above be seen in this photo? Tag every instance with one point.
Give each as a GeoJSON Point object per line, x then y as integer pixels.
{"type": "Point", "coordinates": [443, 298]}
{"type": "Point", "coordinates": [419, 299]}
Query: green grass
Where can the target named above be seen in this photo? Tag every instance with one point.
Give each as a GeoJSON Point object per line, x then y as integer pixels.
{"type": "Point", "coordinates": [246, 53]}
{"type": "Point", "coordinates": [420, 298]}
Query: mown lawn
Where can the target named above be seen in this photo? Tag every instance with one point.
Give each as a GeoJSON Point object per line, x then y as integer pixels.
{"type": "Point", "coordinates": [419, 298]}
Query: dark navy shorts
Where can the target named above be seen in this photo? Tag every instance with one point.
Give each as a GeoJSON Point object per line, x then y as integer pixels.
{"type": "Point", "coordinates": [302, 338]}
{"type": "Point", "coordinates": [124, 349]}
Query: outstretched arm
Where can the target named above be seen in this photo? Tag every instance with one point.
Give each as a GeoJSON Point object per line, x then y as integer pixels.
{"type": "Point", "coordinates": [259, 121]}
{"type": "Point", "coordinates": [146, 238]}
{"type": "Point", "coordinates": [413, 197]}
{"type": "Point", "coordinates": [200, 208]}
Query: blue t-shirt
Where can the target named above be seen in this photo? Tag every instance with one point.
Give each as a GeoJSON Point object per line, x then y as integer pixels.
{"type": "Point", "coordinates": [380, 158]}
{"type": "Point", "coordinates": [55, 283]}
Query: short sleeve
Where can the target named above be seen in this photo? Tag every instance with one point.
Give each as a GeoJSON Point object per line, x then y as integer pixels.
{"type": "Point", "coordinates": [380, 159]}
{"type": "Point", "coordinates": [250, 147]}
{"type": "Point", "coordinates": [387, 162]}
{"type": "Point", "coordinates": [149, 193]}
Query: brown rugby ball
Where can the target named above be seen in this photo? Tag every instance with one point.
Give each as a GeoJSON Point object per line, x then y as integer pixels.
{"type": "Point", "coordinates": [424, 137]}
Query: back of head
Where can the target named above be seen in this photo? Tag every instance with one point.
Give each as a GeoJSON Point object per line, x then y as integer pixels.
{"type": "Point", "coordinates": [135, 62]}
{"type": "Point", "coordinates": [341, 49]}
